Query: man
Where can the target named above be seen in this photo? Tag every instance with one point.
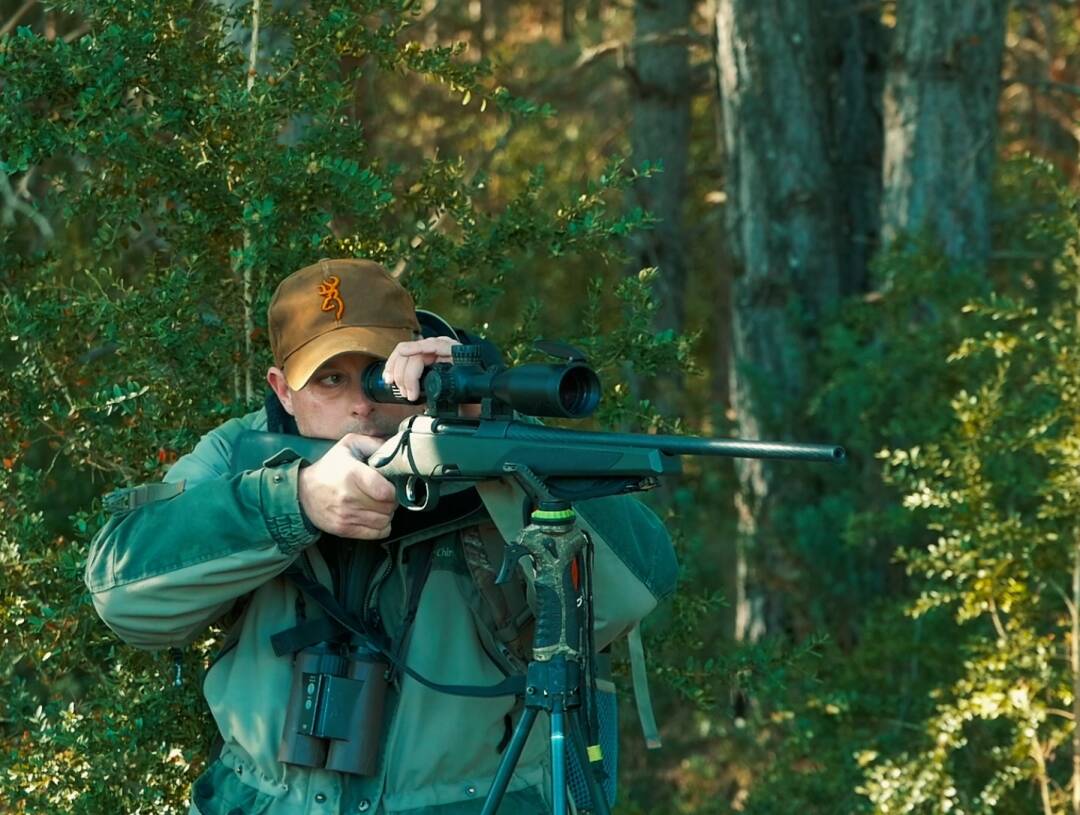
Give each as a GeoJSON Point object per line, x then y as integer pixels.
{"type": "Point", "coordinates": [209, 541]}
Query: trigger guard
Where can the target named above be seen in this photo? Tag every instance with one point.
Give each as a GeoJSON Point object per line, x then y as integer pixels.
{"type": "Point", "coordinates": [418, 495]}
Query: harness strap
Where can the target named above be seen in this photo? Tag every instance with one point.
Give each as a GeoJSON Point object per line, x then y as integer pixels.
{"type": "Point", "coordinates": [304, 635]}
{"type": "Point", "coordinates": [641, 688]}
{"type": "Point", "coordinates": [511, 686]}
{"type": "Point", "coordinates": [420, 557]}
{"type": "Point", "coordinates": [325, 629]}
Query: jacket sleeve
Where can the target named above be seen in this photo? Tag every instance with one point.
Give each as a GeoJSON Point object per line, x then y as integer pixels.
{"type": "Point", "coordinates": [159, 574]}
{"type": "Point", "coordinates": [634, 565]}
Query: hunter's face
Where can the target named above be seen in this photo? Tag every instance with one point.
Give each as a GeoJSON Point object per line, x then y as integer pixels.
{"type": "Point", "coordinates": [332, 403]}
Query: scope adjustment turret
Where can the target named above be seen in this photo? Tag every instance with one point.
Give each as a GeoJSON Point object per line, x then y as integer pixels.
{"type": "Point", "coordinates": [467, 354]}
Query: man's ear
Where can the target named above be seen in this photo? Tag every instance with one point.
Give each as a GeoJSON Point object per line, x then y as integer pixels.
{"type": "Point", "coordinates": [275, 377]}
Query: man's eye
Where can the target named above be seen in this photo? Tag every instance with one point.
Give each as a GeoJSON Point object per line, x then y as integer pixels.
{"type": "Point", "coordinates": [331, 379]}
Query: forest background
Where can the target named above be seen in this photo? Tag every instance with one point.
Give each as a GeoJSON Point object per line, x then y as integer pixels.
{"type": "Point", "coordinates": [848, 221]}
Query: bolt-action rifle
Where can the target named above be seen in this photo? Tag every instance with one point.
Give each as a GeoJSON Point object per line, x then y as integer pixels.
{"type": "Point", "coordinates": [441, 451]}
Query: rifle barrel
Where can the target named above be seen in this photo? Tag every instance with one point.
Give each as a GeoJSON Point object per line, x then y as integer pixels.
{"type": "Point", "coordinates": [680, 445]}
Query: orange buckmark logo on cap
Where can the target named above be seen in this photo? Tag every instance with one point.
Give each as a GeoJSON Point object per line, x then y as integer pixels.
{"type": "Point", "coordinates": [328, 290]}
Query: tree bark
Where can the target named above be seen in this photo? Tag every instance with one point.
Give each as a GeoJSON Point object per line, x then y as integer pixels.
{"type": "Point", "coordinates": [660, 132]}
{"type": "Point", "coordinates": [782, 227]}
{"type": "Point", "coordinates": [940, 120]}
{"type": "Point", "coordinates": [855, 55]}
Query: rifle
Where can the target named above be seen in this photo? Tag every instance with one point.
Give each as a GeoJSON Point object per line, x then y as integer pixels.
{"type": "Point", "coordinates": [439, 451]}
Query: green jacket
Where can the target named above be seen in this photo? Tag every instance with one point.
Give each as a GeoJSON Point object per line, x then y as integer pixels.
{"type": "Point", "coordinates": [161, 573]}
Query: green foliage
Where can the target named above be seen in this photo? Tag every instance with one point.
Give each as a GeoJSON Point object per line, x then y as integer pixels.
{"type": "Point", "coordinates": [959, 413]}
{"type": "Point", "coordinates": [90, 725]}
{"type": "Point", "coordinates": [166, 187]}
{"type": "Point", "coordinates": [998, 490]}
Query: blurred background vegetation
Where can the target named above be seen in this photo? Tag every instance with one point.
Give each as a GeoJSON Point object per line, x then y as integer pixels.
{"type": "Point", "coordinates": [838, 221]}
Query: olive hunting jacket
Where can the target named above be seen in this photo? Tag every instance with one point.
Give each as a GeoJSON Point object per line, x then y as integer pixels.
{"type": "Point", "coordinates": [219, 541]}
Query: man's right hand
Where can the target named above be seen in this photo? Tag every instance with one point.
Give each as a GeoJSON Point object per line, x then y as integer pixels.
{"type": "Point", "coordinates": [342, 495]}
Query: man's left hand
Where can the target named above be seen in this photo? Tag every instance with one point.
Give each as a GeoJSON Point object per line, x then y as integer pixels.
{"type": "Point", "coordinates": [407, 362]}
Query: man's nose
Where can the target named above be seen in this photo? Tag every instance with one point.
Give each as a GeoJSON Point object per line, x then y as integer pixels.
{"type": "Point", "coordinates": [361, 405]}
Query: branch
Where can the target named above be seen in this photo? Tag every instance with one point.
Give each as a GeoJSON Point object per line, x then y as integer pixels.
{"type": "Point", "coordinates": [678, 37]}
{"type": "Point", "coordinates": [997, 621]}
{"type": "Point", "coordinates": [60, 384]}
{"type": "Point", "coordinates": [254, 52]}
{"type": "Point", "coordinates": [12, 204]}
{"type": "Point", "coordinates": [18, 15]}
{"type": "Point", "coordinates": [23, 190]}
{"type": "Point", "coordinates": [1062, 594]}
{"type": "Point", "coordinates": [588, 57]}
{"type": "Point", "coordinates": [249, 322]}
{"type": "Point", "coordinates": [75, 33]}
{"type": "Point", "coordinates": [1042, 84]}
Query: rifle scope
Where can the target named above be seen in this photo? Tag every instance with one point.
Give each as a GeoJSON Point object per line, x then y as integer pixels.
{"type": "Point", "coordinates": [569, 391]}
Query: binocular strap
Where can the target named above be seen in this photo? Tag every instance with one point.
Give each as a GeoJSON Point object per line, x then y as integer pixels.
{"type": "Point", "coordinates": [340, 620]}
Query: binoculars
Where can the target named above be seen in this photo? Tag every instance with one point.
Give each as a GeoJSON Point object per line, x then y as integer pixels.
{"type": "Point", "coordinates": [336, 706]}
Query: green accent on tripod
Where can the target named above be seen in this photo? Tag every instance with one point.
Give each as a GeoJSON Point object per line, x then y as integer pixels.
{"type": "Point", "coordinates": [548, 515]}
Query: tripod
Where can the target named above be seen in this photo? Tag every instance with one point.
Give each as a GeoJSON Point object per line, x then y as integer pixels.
{"type": "Point", "coordinates": [553, 679]}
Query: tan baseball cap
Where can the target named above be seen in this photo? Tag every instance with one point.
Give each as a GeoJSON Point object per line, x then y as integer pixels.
{"type": "Point", "coordinates": [333, 307]}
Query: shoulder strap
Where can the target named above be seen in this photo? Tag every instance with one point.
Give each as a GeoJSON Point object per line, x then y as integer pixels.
{"type": "Point", "coordinates": [642, 697]}
{"type": "Point", "coordinates": [420, 557]}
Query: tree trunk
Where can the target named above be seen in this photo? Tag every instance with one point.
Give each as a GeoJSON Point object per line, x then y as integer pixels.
{"type": "Point", "coordinates": [493, 23]}
{"type": "Point", "coordinates": [660, 132]}
{"type": "Point", "coordinates": [940, 119]}
{"type": "Point", "coordinates": [855, 54]}
{"type": "Point", "coordinates": [782, 226]}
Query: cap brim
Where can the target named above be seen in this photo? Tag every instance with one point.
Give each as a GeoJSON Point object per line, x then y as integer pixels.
{"type": "Point", "coordinates": [306, 359]}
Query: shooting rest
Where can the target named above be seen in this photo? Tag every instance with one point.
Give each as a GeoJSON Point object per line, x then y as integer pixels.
{"type": "Point", "coordinates": [560, 553]}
